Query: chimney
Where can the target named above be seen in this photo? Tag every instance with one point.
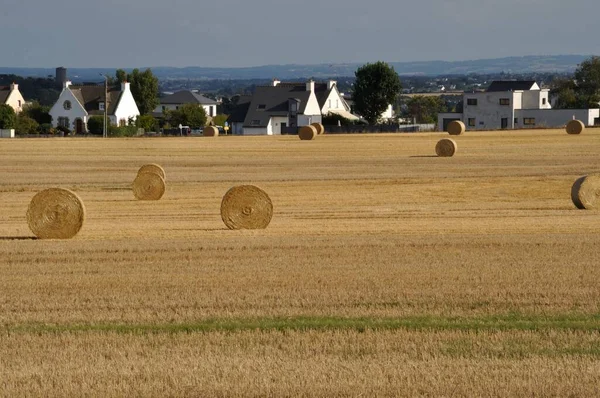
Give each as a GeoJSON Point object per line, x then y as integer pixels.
{"type": "Point", "coordinates": [310, 85]}
{"type": "Point", "coordinates": [276, 82]}
{"type": "Point", "coordinates": [14, 86]}
{"type": "Point", "coordinates": [330, 84]}
{"type": "Point", "coordinates": [125, 85]}
{"type": "Point", "coordinates": [66, 84]}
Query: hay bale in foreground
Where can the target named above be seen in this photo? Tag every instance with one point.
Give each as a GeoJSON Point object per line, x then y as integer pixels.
{"type": "Point", "coordinates": [585, 192]}
{"type": "Point", "coordinates": [246, 207]}
{"type": "Point", "coordinates": [575, 127]}
{"type": "Point", "coordinates": [446, 147]}
{"type": "Point", "coordinates": [148, 186]}
{"type": "Point", "coordinates": [55, 213]}
{"type": "Point", "coordinates": [456, 127]}
{"type": "Point", "coordinates": [153, 168]}
{"type": "Point", "coordinates": [307, 132]}
{"type": "Point", "coordinates": [210, 131]}
{"type": "Point", "coordinates": [320, 128]}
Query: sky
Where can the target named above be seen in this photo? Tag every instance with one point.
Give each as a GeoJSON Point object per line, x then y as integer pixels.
{"type": "Point", "coordinates": [238, 33]}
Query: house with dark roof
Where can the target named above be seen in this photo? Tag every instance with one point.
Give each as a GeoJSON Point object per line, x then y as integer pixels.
{"type": "Point", "coordinates": [77, 103]}
{"type": "Point", "coordinates": [282, 106]}
{"type": "Point", "coordinates": [513, 104]}
{"type": "Point", "coordinates": [11, 96]}
{"type": "Point", "coordinates": [180, 98]}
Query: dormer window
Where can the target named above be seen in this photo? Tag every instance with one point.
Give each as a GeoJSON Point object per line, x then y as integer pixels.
{"type": "Point", "coordinates": [261, 107]}
{"type": "Point", "coordinates": [67, 105]}
{"type": "Point", "coordinates": [293, 107]}
{"type": "Point", "coordinates": [101, 106]}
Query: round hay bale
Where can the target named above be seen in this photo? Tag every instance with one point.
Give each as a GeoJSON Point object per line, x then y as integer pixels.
{"type": "Point", "coordinates": [246, 207]}
{"type": "Point", "coordinates": [585, 192]}
{"type": "Point", "coordinates": [148, 186]}
{"type": "Point", "coordinates": [153, 168]}
{"type": "Point", "coordinates": [55, 213]}
{"type": "Point", "coordinates": [307, 132]}
{"type": "Point", "coordinates": [445, 147]}
{"type": "Point", "coordinates": [456, 127]}
{"type": "Point", "coordinates": [210, 131]}
{"type": "Point", "coordinates": [575, 127]}
{"type": "Point", "coordinates": [320, 128]}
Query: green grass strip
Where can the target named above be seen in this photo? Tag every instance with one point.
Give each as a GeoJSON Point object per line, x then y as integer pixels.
{"type": "Point", "coordinates": [580, 322]}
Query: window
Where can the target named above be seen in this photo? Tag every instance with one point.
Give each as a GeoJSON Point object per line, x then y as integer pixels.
{"type": "Point", "coordinates": [529, 121]}
{"type": "Point", "coordinates": [330, 103]}
{"type": "Point", "coordinates": [261, 107]}
{"type": "Point", "coordinates": [122, 123]}
{"type": "Point", "coordinates": [63, 122]}
{"type": "Point", "coordinates": [101, 106]}
{"type": "Point", "coordinates": [337, 104]}
{"type": "Point", "coordinates": [67, 105]}
{"type": "Point", "coordinates": [504, 101]}
{"type": "Point", "coordinates": [543, 101]}
{"type": "Point", "coordinates": [255, 123]}
{"type": "Point", "coordinates": [19, 103]}
{"type": "Point", "coordinates": [516, 120]}
{"type": "Point", "coordinates": [163, 108]}
{"type": "Point", "coordinates": [471, 101]}
{"type": "Point", "coordinates": [211, 111]}
{"type": "Point", "coordinates": [471, 121]}
{"type": "Point", "coordinates": [293, 107]}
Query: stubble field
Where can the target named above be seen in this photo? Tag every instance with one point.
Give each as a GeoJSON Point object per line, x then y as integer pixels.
{"type": "Point", "coordinates": [385, 271]}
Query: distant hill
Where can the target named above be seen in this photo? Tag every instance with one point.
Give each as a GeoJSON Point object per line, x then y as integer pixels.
{"type": "Point", "coordinates": [528, 64]}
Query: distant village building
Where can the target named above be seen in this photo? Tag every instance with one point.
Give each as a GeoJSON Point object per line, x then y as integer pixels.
{"type": "Point", "coordinates": [174, 101]}
{"type": "Point", "coordinates": [77, 103]}
{"type": "Point", "coordinates": [514, 104]}
{"type": "Point", "coordinates": [11, 96]}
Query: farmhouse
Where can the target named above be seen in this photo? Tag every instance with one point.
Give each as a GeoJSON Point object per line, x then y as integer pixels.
{"type": "Point", "coordinates": [11, 96]}
{"type": "Point", "coordinates": [77, 103]}
{"type": "Point", "coordinates": [514, 104]}
{"type": "Point", "coordinates": [275, 108]}
{"type": "Point", "coordinates": [174, 101]}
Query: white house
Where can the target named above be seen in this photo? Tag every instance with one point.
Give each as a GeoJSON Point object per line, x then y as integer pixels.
{"type": "Point", "coordinates": [332, 101]}
{"type": "Point", "coordinates": [514, 104]}
{"type": "Point", "coordinates": [273, 108]}
{"type": "Point", "coordinates": [77, 103]}
{"type": "Point", "coordinates": [11, 96]}
{"type": "Point", "coordinates": [386, 115]}
{"type": "Point", "coordinates": [174, 101]}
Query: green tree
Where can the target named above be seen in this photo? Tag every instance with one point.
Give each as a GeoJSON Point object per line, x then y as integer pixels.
{"type": "Point", "coordinates": [146, 122]}
{"type": "Point", "coordinates": [37, 112]}
{"type": "Point", "coordinates": [121, 76]}
{"type": "Point", "coordinates": [219, 120]}
{"type": "Point", "coordinates": [587, 78]}
{"type": "Point", "coordinates": [187, 115]}
{"type": "Point", "coordinates": [565, 93]}
{"type": "Point", "coordinates": [95, 124]}
{"type": "Point", "coordinates": [144, 87]}
{"type": "Point", "coordinates": [375, 87]}
{"type": "Point", "coordinates": [26, 125]}
{"type": "Point", "coordinates": [8, 117]}
{"type": "Point", "coordinates": [425, 109]}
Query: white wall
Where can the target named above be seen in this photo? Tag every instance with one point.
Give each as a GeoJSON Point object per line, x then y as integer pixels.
{"type": "Point", "coordinates": [76, 111]}
{"type": "Point", "coordinates": [556, 117]}
{"type": "Point", "coordinates": [255, 131]}
{"type": "Point", "coordinates": [275, 125]}
{"type": "Point", "coordinates": [15, 100]}
{"type": "Point", "coordinates": [488, 113]}
{"type": "Point", "coordinates": [312, 106]}
{"type": "Point", "coordinates": [126, 108]}
{"type": "Point", "coordinates": [7, 133]}
{"type": "Point", "coordinates": [336, 101]}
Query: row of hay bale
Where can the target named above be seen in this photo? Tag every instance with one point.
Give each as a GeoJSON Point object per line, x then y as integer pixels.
{"type": "Point", "coordinates": [310, 132]}
{"type": "Point", "coordinates": [457, 127]}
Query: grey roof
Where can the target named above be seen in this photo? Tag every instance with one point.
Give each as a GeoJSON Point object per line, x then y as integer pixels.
{"type": "Point", "coordinates": [91, 95]}
{"type": "Point", "coordinates": [187, 97]}
{"type": "Point", "coordinates": [321, 91]}
{"type": "Point", "coordinates": [510, 85]}
{"type": "Point", "coordinates": [4, 92]}
{"type": "Point", "coordinates": [273, 101]}
{"type": "Point", "coordinates": [241, 109]}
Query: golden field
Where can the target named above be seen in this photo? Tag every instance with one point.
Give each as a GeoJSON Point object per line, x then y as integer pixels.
{"type": "Point", "coordinates": [386, 271]}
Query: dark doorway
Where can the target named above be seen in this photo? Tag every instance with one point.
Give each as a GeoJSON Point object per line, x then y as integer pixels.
{"type": "Point", "coordinates": [78, 126]}
{"type": "Point", "coordinates": [504, 123]}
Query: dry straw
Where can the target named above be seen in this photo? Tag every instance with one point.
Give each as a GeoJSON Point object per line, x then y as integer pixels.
{"type": "Point", "coordinates": [320, 128]}
{"type": "Point", "coordinates": [148, 186]}
{"type": "Point", "coordinates": [585, 192]}
{"type": "Point", "coordinates": [55, 213]}
{"type": "Point", "coordinates": [153, 168]}
{"type": "Point", "coordinates": [456, 127]}
{"type": "Point", "coordinates": [246, 207]}
{"type": "Point", "coordinates": [210, 131]}
{"type": "Point", "coordinates": [575, 127]}
{"type": "Point", "coordinates": [307, 132]}
{"type": "Point", "coordinates": [445, 147]}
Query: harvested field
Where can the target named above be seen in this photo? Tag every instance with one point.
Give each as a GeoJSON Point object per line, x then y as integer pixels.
{"type": "Point", "coordinates": [385, 270]}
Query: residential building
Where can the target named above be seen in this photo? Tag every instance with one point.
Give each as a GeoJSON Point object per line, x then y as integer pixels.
{"type": "Point", "coordinates": [514, 104]}
{"type": "Point", "coordinates": [11, 96]}
{"type": "Point", "coordinates": [77, 103]}
{"type": "Point", "coordinates": [385, 116]}
{"type": "Point", "coordinates": [174, 101]}
{"type": "Point", "coordinates": [272, 109]}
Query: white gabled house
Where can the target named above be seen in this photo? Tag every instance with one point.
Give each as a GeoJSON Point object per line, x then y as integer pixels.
{"type": "Point", "coordinates": [77, 103]}
{"type": "Point", "coordinates": [514, 104]}
{"type": "Point", "coordinates": [11, 96]}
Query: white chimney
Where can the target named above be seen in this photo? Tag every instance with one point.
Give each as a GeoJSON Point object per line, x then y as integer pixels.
{"type": "Point", "coordinates": [125, 86]}
{"type": "Point", "coordinates": [310, 85]}
{"type": "Point", "coordinates": [14, 86]}
{"type": "Point", "coordinates": [330, 84]}
{"type": "Point", "coordinates": [66, 84]}
{"type": "Point", "coordinates": [276, 82]}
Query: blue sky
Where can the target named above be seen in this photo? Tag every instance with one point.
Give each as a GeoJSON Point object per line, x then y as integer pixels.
{"type": "Point", "coordinates": [233, 33]}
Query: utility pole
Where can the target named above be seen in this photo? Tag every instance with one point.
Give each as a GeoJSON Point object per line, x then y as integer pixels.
{"type": "Point", "coordinates": [105, 124]}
